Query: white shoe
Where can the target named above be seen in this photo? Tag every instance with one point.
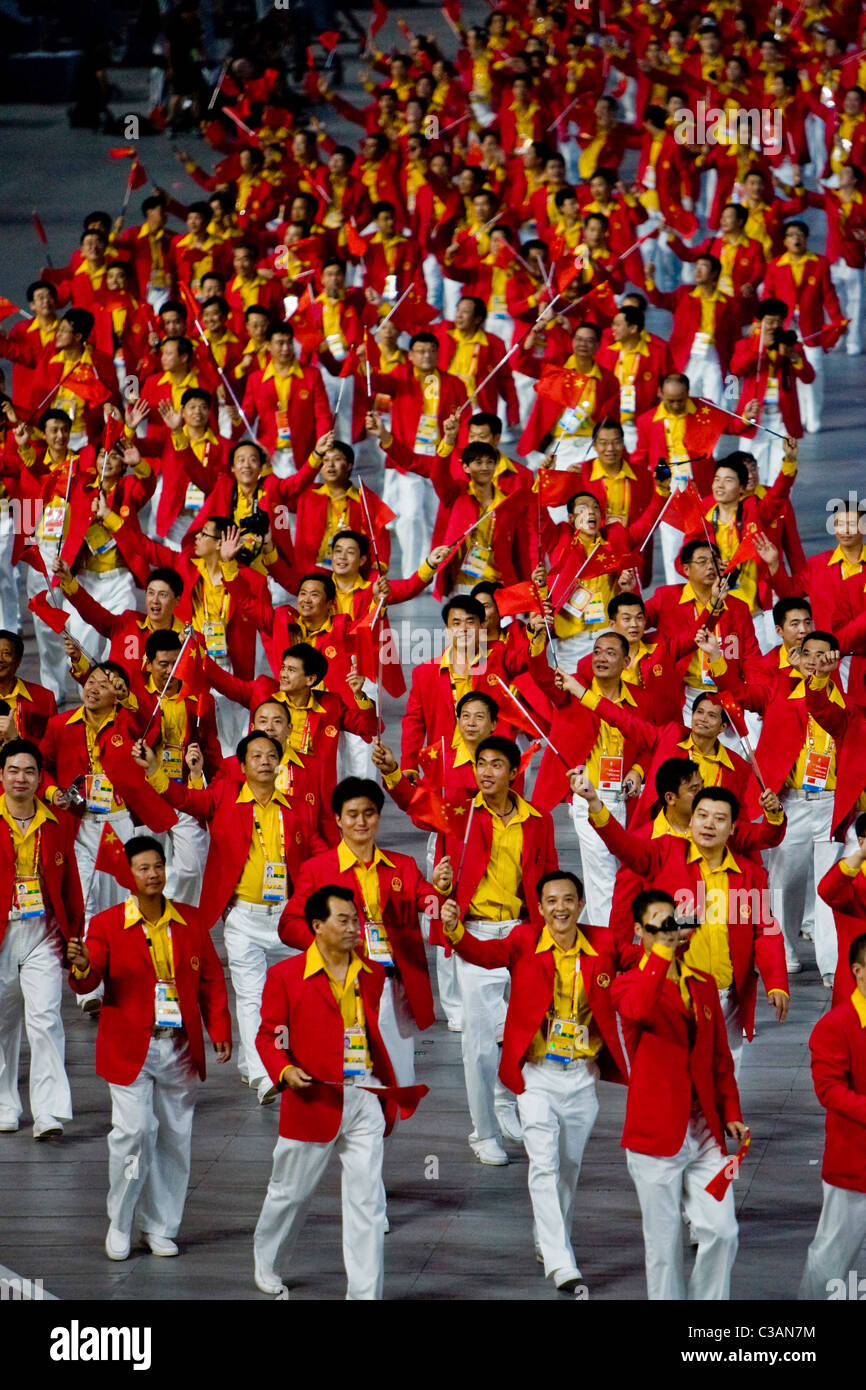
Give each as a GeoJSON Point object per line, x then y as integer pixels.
{"type": "Point", "coordinates": [8, 1126]}
{"type": "Point", "coordinates": [490, 1151]}
{"type": "Point", "coordinates": [267, 1092]}
{"type": "Point", "coordinates": [269, 1282]}
{"type": "Point", "coordinates": [90, 1007]}
{"type": "Point", "coordinates": [454, 1026]}
{"type": "Point", "coordinates": [117, 1243]}
{"type": "Point", "coordinates": [509, 1122]}
{"type": "Point", "coordinates": [794, 966]}
{"type": "Point", "coordinates": [159, 1245]}
{"type": "Point", "coordinates": [806, 934]}
{"type": "Point", "coordinates": [46, 1127]}
{"type": "Point", "coordinates": [245, 1080]}
{"type": "Point", "coordinates": [567, 1280]}
{"type": "Point", "coordinates": [827, 980]}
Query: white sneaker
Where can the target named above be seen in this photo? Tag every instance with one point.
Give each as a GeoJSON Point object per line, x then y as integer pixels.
{"type": "Point", "coordinates": [490, 1151]}
{"type": "Point", "coordinates": [268, 1282]}
{"type": "Point", "coordinates": [267, 1092]}
{"type": "Point", "coordinates": [46, 1127]}
{"type": "Point", "coordinates": [509, 1122]}
{"type": "Point", "coordinates": [159, 1245]}
{"type": "Point", "coordinates": [117, 1243]}
{"type": "Point", "coordinates": [827, 980]}
{"type": "Point", "coordinates": [455, 1026]}
{"type": "Point", "coordinates": [567, 1280]}
{"type": "Point", "coordinates": [794, 965]}
{"type": "Point", "coordinates": [9, 1126]}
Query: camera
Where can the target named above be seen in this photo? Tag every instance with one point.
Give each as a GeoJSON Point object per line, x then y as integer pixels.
{"type": "Point", "coordinates": [254, 529]}
{"type": "Point", "coordinates": [662, 471]}
{"type": "Point", "coordinates": [75, 794]}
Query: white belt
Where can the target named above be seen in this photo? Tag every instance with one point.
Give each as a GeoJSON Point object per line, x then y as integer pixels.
{"type": "Point", "coordinates": [550, 1065]}
{"type": "Point", "coordinates": [479, 927]}
{"type": "Point", "coordinates": [102, 816]}
{"type": "Point", "coordinates": [263, 909]}
{"type": "Point", "coordinates": [797, 794]}
{"type": "Point", "coordinates": [101, 575]}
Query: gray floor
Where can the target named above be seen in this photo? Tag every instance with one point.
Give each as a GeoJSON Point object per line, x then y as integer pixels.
{"type": "Point", "coordinates": [465, 1232]}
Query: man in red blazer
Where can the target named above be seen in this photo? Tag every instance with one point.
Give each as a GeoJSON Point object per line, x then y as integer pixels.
{"type": "Point", "coordinates": [769, 369]}
{"type": "Point", "coordinates": [560, 1035]}
{"type": "Point", "coordinates": [495, 867]}
{"type": "Point", "coordinates": [739, 935]}
{"type": "Point", "coordinates": [682, 1101]}
{"type": "Point", "coordinates": [838, 1047]}
{"type": "Point", "coordinates": [321, 1043]}
{"type": "Point", "coordinates": [289, 402]}
{"type": "Point", "coordinates": [802, 280]}
{"type": "Point", "coordinates": [40, 903]}
{"type": "Point", "coordinates": [162, 976]}
{"type": "Point", "coordinates": [591, 393]}
{"type": "Point", "coordinates": [259, 840]}
{"type": "Point", "coordinates": [705, 326]}
{"type": "Point", "coordinates": [843, 887]}
{"type": "Point", "coordinates": [391, 893]}
{"type": "Point", "coordinates": [30, 705]}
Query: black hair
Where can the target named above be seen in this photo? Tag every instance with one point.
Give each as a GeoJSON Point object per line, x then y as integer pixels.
{"type": "Point", "coordinates": [312, 660]}
{"type": "Point", "coordinates": [164, 575]}
{"type": "Point", "coordinates": [316, 906]}
{"type": "Point", "coordinates": [241, 750]}
{"type": "Point", "coordinates": [20, 745]}
{"type": "Point", "coordinates": [554, 876]}
{"type": "Point", "coordinates": [478, 697]}
{"type": "Point", "coordinates": [142, 844]}
{"type": "Point", "coordinates": [495, 743]}
{"type": "Point", "coordinates": [352, 787]}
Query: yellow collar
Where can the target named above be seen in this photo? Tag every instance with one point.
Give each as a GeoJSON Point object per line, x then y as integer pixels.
{"type": "Point", "coordinates": [838, 558]}
{"type": "Point", "coordinates": [859, 1003]}
{"type": "Point", "coordinates": [348, 860]}
{"type": "Point", "coordinates": [19, 691]}
{"type": "Point", "coordinates": [728, 863]}
{"type": "Point", "coordinates": [833, 693]}
{"type": "Point", "coordinates": [599, 473]}
{"type": "Point", "coordinates": [720, 757]}
{"type": "Point", "coordinates": [785, 259]}
{"type": "Point", "coordinates": [41, 816]}
{"type": "Point", "coordinates": [246, 794]}
{"type": "Point", "coordinates": [662, 412]}
{"type": "Point", "coordinates": [314, 964]}
{"type": "Point", "coordinates": [581, 945]}
{"type": "Point", "coordinates": [524, 810]}
{"type": "Point", "coordinates": [625, 697]}
{"type": "Point", "coordinates": [268, 374]}
{"type": "Point", "coordinates": [132, 913]}
{"type": "Point", "coordinates": [78, 718]}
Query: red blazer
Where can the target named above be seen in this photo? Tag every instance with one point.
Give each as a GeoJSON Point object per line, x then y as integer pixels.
{"type": "Point", "coordinates": [231, 834]}
{"type": "Point", "coordinates": [575, 730]}
{"type": "Point", "coordinates": [486, 358]}
{"type": "Point", "coordinates": [136, 248]}
{"type": "Point", "coordinates": [847, 897]}
{"type": "Point", "coordinates": [403, 894]}
{"type": "Point", "coordinates": [684, 304]}
{"type": "Point", "coordinates": [747, 267]}
{"type": "Point", "coordinates": [816, 297]}
{"type": "Point", "coordinates": [61, 888]}
{"type": "Point", "coordinates": [650, 369]}
{"type": "Point", "coordinates": [539, 857]}
{"type": "Point", "coordinates": [180, 467]}
{"type": "Point", "coordinates": [752, 941]}
{"type": "Point", "coordinates": [120, 957]}
{"type": "Point", "coordinates": [532, 991]}
{"type": "Point", "coordinates": [745, 363]}
{"type": "Point", "coordinates": [704, 427]}
{"type": "Point", "coordinates": [315, 1029]}
{"type": "Point", "coordinates": [733, 627]}
{"type": "Point", "coordinates": [674, 1055]}
{"type": "Point", "coordinates": [311, 505]}
{"type": "Point", "coordinates": [834, 599]}
{"type": "Point", "coordinates": [308, 411]}
{"type": "Point", "coordinates": [403, 386]}
{"type": "Point", "coordinates": [838, 1047]}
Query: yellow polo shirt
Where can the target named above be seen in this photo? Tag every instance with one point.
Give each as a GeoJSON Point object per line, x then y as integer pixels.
{"type": "Point", "coordinates": [569, 996]}
{"type": "Point", "coordinates": [499, 896]}
{"type": "Point", "coordinates": [267, 846]}
{"type": "Point", "coordinates": [708, 950]}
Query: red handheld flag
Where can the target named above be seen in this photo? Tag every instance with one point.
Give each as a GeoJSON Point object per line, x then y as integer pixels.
{"type": "Point", "coordinates": [82, 382]}
{"type": "Point", "coordinates": [718, 1186]}
{"type": "Point", "coordinates": [607, 561]}
{"type": "Point", "coordinates": [445, 814]}
{"type": "Point", "coordinates": [137, 176]}
{"type": "Point", "coordinates": [557, 486]}
{"type": "Point", "coordinates": [7, 308]}
{"type": "Point", "coordinates": [518, 598]}
{"type": "Point", "coordinates": [562, 385]}
{"type": "Point", "coordinates": [453, 9]}
{"type": "Point", "coordinates": [39, 229]}
{"type": "Point", "coordinates": [746, 548]}
{"type": "Point", "coordinates": [122, 152]}
{"type": "Point", "coordinates": [41, 605]}
{"type": "Point", "coordinates": [684, 511]}
{"type": "Point", "coordinates": [530, 753]}
{"type": "Point", "coordinates": [329, 39]}
{"type": "Point", "coordinates": [355, 242]}
{"type": "Point", "coordinates": [734, 710]}
{"type": "Point", "coordinates": [189, 670]}
{"type": "Point", "coordinates": [832, 332]}
{"type": "Point", "coordinates": [380, 14]}
{"type": "Point", "coordinates": [350, 363]}
{"type": "Point", "coordinates": [111, 859]}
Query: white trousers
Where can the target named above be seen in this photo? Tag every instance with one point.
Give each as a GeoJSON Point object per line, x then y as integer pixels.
{"type": "Point", "coordinates": [149, 1142]}
{"type": "Point", "coordinates": [31, 988]}
{"type": "Point", "coordinates": [733, 1016]}
{"type": "Point", "coordinates": [848, 281]}
{"type": "Point", "coordinates": [354, 757]}
{"type": "Point", "coordinates": [446, 966]}
{"type": "Point", "coordinates": [116, 591]}
{"type": "Point", "coordinates": [837, 1241]}
{"type": "Point", "coordinates": [298, 1168]}
{"type": "Point", "coordinates": [343, 418]}
{"type": "Point", "coordinates": [672, 543]}
{"type": "Point", "coordinates": [557, 1112]}
{"type": "Point", "coordinates": [705, 376]}
{"type": "Point", "coordinates": [766, 448]}
{"type": "Point", "coordinates": [598, 867]}
{"type": "Point", "coordinates": [252, 947]}
{"type": "Point", "coordinates": [397, 1026]}
{"type": "Point", "coordinates": [811, 396]}
{"type": "Point", "coordinates": [433, 281]}
{"type": "Point", "coordinates": [525, 387]}
{"type": "Point", "coordinates": [10, 606]}
{"type": "Point", "coordinates": [796, 867]}
{"type": "Point", "coordinates": [667, 1187]}
{"type": "Point", "coordinates": [569, 650]}
{"type": "Point", "coordinates": [483, 995]}
{"type": "Point", "coordinates": [414, 502]}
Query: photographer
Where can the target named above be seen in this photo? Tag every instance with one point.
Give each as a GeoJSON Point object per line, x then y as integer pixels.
{"type": "Point", "coordinates": [769, 364]}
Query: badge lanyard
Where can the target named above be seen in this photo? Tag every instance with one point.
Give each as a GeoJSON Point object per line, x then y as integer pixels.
{"type": "Point", "coordinates": [375, 935]}
{"type": "Point", "coordinates": [28, 887]}
{"type": "Point", "coordinates": [355, 1040]}
{"type": "Point", "coordinates": [172, 753]}
{"type": "Point", "coordinates": [275, 872]}
{"type": "Point", "coordinates": [98, 787]}
{"type": "Point", "coordinates": [166, 1004]}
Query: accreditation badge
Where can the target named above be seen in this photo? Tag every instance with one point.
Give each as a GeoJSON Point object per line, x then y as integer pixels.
{"type": "Point", "coordinates": [99, 793]}
{"type": "Point", "coordinates": [214, 633]}
{"type": "Point", "coordinates": [562, 1039]}
{"type": "Point", "coordinates": [816, 772]}
{"type": "Point", "coordinates": [610, 774]}
{"type": "Point", "coordinates": [28, 897]}
{"type": "Point", "coordinates": [166, 1011]}
{"type": "Point", "coordinates": [354, 1052]}
{"type": "Point", "coordinates": [172, 762]}
{"type": "Point", "coordinates": [378, 945]}
{"type": "Point", "coordinates": [274, 881]}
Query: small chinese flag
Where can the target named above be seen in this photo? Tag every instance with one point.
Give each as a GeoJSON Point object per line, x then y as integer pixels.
{"type": "Point", "coordinates": [7, 308]}
{"type": "Point", "coordinates": [832, 332]}
{"type": "Point", "coordinates": [189, 670]}
{"type": "Point", "coordinates": [746, 548]}
{"type": "Point", "coordinates": [557, 486]}
{"type": "Point", "coordinates": [355, 242]}
{"type": "Point", "coordinates": [122, 152]}
{"type": "Point", "coordinates": [562, 385]}
{"type": "Point", "coordinates": [518, 598]}
{"type": "Point", "coordinates": [39, 229]}
{"type": "Point", "coordinates": [380, 14]}
{"type": "Point", "coordinates": [718, 1186]}
{"type": "Point", "coordinates": [86, 386]}
{"type": "Point", "coordinates": [112, 433]}
{"type": "Point", "coordinates": [329, 39]}
{"type": "Point", "coordinates": [441, 813]}
{"type": "Point", "coordinates": [350, 362]}
{"type": "Point", "coordinates": [137, 176]}
{"type": "Point", "coordinates": [453, 9]}
{"type": "Point", "coordinates": [111, 859]}
{"type": "Point", "coordinates": [41, 605]}
{"type": "Point", "coordinates": [430, 762]}
{"type": "Point", "coordinates": [607, 561]}
{"type": "Point", "coordinates": [684, 511]}
{"type": "Point", "coordinates": [734, 710]}
{"type": "Point", "coordinates": [526, 758]}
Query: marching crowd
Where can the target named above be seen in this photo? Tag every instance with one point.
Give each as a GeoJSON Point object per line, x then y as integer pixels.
{"type": "Point", "coordinates": [218, 423]}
